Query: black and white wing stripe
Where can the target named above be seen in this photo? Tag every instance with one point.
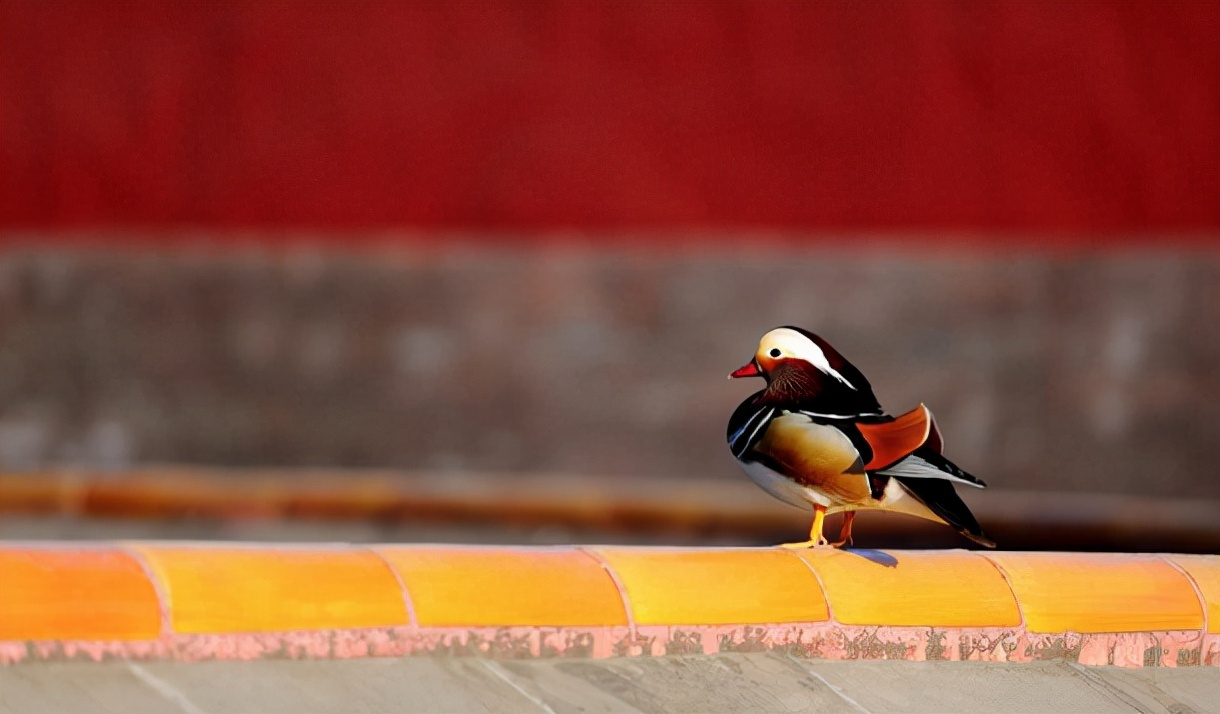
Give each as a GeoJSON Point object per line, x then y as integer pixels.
{"type": "Point", "coordinates": [819, 415]}
{"type": "Point", "coordinates": [741, 439]}
{"type": "Point", "coordinates": [750, 421]}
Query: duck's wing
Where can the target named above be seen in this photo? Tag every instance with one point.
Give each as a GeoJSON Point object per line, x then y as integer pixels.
{"type": "Point", "coordinates": [891, 441]}
{"type": "Point", "coordinates": [925, 463]}
{"type": "Point", "coordinates": [911, 445]}
{"type": "Point", "coordinates": [941, 499]}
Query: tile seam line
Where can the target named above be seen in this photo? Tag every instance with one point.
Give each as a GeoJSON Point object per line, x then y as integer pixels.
{"type": "Point", "coordinates": [1003, 576]}
{"type": "Point", "coordinates": [403, 591]}
{"type": "Point", "coordinates": [160, 589]}
{"type": "Point", "coordinates": [1198, 594]}
{"type": "Point", "coordinates": [1023, 626]}
{"type": "Point", "coordinates": [618, 585]}
{"type": "Point", "coordinates": [817, 578]}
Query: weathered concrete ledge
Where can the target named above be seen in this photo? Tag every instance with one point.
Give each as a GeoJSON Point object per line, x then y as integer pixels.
{"type": "Point", "coordinates": [201, 601]}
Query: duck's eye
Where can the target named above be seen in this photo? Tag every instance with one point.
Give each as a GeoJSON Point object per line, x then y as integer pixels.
{"type": "Point", "coordinates": [774, 352]}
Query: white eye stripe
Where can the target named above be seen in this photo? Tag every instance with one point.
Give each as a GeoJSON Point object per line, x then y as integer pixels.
{"type": "Point", "coordinates": [801, 347]}
{"type": "Point", "coordinates": [824, 365]}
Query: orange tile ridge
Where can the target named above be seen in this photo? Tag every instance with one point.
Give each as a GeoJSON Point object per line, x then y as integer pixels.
{"type": "Point", "coordinates": [935, 588]}
{"type": "Point", "coordinates": [92, 591]}
{"type": "Point", "coordinates": [1091, 593]}
{"type": "Point", "coordinates": [216, 588]}
{"type": "Point", "coordinates": [722, 586]}
{"type": "Point", "coordinates": [470, 586]}
{"type": "Point", "coordinates": [147, 590]}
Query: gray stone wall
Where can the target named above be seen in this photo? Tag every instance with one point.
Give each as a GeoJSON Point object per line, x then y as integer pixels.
{"type": "Point", "coordinates": [1081, 371]}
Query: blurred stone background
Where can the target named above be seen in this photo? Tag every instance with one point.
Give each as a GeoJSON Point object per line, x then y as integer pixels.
{"type": "Point", "coordinates": [1089, 372]}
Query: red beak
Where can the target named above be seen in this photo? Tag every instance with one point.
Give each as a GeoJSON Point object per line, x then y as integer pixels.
{"type": "Point", "coordinates": [749, 369]}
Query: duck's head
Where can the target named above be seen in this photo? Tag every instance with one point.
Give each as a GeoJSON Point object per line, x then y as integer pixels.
{"type": "Point", "coordinates": [791, 349]}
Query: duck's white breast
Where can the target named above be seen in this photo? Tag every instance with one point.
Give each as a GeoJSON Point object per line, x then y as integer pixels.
{"type": "Point", "coordinates": [784, 488]}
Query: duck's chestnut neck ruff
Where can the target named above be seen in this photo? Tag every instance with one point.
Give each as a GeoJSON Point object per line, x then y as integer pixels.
{"type": "Point", "coordinates": [791, 381]}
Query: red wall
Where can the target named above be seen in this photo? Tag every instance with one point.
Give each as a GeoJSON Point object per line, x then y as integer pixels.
{"type": "Point", "coordinates": [1011, 117]}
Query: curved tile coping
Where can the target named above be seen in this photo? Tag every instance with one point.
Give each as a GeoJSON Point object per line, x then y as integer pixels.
{"type": "Point", "coordinates": [193, 601]}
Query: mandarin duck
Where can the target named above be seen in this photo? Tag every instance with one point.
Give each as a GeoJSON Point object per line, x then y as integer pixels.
{"type": "Point", "coordinates": [816, 436]}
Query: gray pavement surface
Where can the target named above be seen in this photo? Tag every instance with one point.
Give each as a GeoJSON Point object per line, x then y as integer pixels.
{"type": "Point", "coordinates": [716, 683]}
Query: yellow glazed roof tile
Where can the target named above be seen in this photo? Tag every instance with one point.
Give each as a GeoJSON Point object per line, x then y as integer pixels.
{"type": "Point", "coordinates": [457, 586]}
{"type": "Point", "coordinates": [93, 594]}
{"type": "Point", "coordinates": [216, 589]}
{"type": "Point", "coordinates": [1094, 592]}
{"type": "Point", "coordinates": [716, 587]}
{"type": "Point", "coordinates": [931, 588]}
{"type": "Point", "coordinates": [1205, 571]}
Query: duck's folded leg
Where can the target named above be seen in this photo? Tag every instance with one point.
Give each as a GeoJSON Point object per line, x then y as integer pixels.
{"type": "Point", "coordinates": [845, 530]}
{"type": "Point", "coordinates": [815, 531]}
